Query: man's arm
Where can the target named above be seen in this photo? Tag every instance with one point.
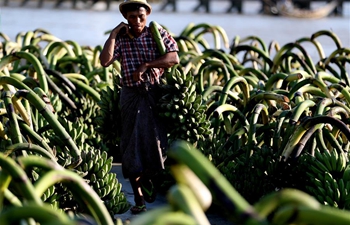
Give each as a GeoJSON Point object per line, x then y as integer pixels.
{"type": "Point", "coordinates": [107, 53]}
{"type": "Point", "coordinates": [165, 61]}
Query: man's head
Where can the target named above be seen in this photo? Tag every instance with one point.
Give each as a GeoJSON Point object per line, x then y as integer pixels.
{"type": "Point", "coordinates": [133, 5]}
{"type": "Point", "coordinates": [135, 12]}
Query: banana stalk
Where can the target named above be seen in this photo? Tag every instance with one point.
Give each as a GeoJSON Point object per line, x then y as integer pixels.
{"type": "Point", "coordinates": [62, 95]}
{"type": "Point", "coordinates": [23, 183]}
{"type": "Point", "coordinates": [305, 215]}
{"type": "Point", "coordinates": [220, 188]}
{"type": "Point", "coordinates": [42, 214]}
{"type": "Point", "coordinates": [5, 180]}
{"type": "Point", "coordinates": [154, 26]}
{"type": "Point", "coordinates": [37, 66]}
{"type": "Point", "coordinates": [29, 147]}
{"type": "Point", "coordinates": [305, 125]}
{"type": "Point", "coordinates": [316, 43]}
{"type": "Point", "coordinates": [183, 175]}
{"type": "Point", "coordinates": [273, 81]}
{"type": "Point", "coordinates": [242, 82]}
{"type": "Point", "coordinates": [15, 132]}
{"type": "Point", "coordinates": [86, 88]}
{"type": "Point", "coordinates": [259, 109]}
{"type": "Point", "coordinates": [277, 60]}
{"type": "Point", "coordinates": [41, 106]}
{"type": "Point", "coordinates": [183, 198]}
{"type": "Point", "coordinates": [326, 102]}
{"type": "Point", "coordinates": [80, 189]}
{"type": "Point", "coordinates": [330, 34]}
{"type": "Point", "coordinates": [272, 202]}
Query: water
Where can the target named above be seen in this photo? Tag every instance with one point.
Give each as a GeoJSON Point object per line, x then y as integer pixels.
{"type": "Point", "coordinates": [87, 26]}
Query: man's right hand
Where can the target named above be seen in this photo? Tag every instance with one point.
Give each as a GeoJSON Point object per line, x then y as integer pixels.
{"type": "Point", "coordinates": [121, 29]}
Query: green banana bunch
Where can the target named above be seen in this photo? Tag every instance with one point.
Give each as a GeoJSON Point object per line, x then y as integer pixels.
{"type": "Point", "coordinates": [108, 118]}
{"type": "Point", "coordinates": [182, 105]}
{"type": "Point", "coordinates": [97, 165]}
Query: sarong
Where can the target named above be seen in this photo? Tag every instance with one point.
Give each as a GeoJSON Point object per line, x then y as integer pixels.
{"type": "Point", "coordinates": [143, 139]}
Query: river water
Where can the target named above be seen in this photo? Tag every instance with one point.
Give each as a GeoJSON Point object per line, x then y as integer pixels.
{"type": "Point", "coordinates": [87, 25]}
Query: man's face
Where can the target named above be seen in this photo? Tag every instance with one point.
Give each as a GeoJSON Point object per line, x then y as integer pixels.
{"type": "Point", "coordinates": [137, 20]}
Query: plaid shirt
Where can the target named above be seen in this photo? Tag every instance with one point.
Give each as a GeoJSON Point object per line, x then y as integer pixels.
{"type": "Point", "coordinates": [133, 52]}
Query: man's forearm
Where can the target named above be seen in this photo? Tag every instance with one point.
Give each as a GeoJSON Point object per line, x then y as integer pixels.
{"type": "Point", "coordinates": [166, 61]}
{"type": "Point", "coordinates": [106, 56]}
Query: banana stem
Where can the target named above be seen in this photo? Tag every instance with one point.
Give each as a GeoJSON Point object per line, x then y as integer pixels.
{"type": "Point", "coordinates": [23, 183]}
{"type": "Point", "coordinates": [29, 147]}
{"type": "Point", "coordinates": [242, 82]}
{"type": "Point", "coordinates": [37, 66]}
{"type": "Point", "coordinates": [306, 215]}
{"type": "Point", "coordinates": [218, 185]}
{"type": "Point", "coordinates": [42, 214]}
{"type": "Point", "coordinates": [259, 109]}
{"type": "Point", "coordinates": [305, 125]}
{"type": "Point", "coordinates": [35, 138]}
{"type": "Point", "coordinates": [41, 106]}
{"type": "Point", "coordinates": [86, 88]}
{"type": "Point", "coordinates": [80, 189]}
{"type": "Point", "coordinates": [15, 132]}
{"type": "Point", "coordinates": [272, 202]}
{"type": "Point", "coordinates": [5, 180]}
{"type": "Point", "coordinates": [63, 96]}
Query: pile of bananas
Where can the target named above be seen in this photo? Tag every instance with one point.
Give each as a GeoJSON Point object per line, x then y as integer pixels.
{"type": "Point", "coordinates": [96, 167]}
{"type": "Point", "coordinates": [108, 119]}
{"type": "Point", "coordinates": [182, 107]}
{"type": "Point", "coordinates": [51, 89]}
{"type": "Point", "coordinates": [23, 202]}
{"type": "Point", "coordinates": [251, 108]}
{"type": "Point", "coordinates": [329, 178]}
{"type": "Point", "coordinates": [199, 184]}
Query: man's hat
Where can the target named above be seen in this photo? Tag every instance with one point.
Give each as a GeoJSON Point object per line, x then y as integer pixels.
{"type": "Point", "coordinates": [127, 2]}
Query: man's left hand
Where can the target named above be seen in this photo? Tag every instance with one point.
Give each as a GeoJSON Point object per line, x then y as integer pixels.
{"type": "Point", "coordinates": [138, 74]}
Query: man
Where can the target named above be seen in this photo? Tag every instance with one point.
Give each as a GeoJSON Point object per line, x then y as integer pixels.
{"type": "Point", "coordinates": [143, 139]}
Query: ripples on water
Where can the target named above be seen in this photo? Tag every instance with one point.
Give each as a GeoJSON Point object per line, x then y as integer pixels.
{"type": "Point", "coordinates": [87, 26]}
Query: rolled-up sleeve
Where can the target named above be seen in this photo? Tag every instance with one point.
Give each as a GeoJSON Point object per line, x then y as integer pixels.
{"type": "Point", "coordinates": [169, 41]}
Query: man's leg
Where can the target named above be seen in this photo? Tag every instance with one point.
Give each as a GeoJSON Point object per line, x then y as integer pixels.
{"type": "Point", "coordinates": [138, 196]}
